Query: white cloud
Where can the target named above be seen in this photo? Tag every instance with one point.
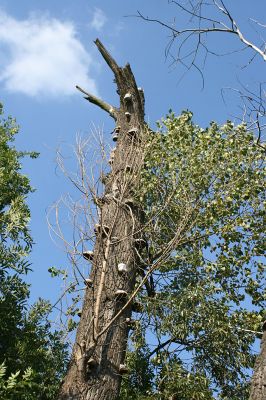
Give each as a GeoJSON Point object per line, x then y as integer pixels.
{"type": "Point", "coordinates": [98, 19]}
{"type": "Point", "coordinates": [42, 57]}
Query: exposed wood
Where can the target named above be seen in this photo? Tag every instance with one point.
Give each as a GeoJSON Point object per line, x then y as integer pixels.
{"type": "Point", "coordinates": [98, 102]}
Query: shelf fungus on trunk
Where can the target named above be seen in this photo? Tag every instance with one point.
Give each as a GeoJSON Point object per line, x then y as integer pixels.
{"type": "Point", "coordinates": [121, 294]}
{"type": "Point", "coordinates": [92, 363]}
{"type": "Point", "coordinates": [128, 97]}
{"type": "Point", "coordinates": [88, 255]}
{"type": "Point", "coordinates": [123, 369]}
{"type": "Point", "coordinates": [101, 230]}
{"type": "Point", "coordinates": [128, 115]}
{"type": "Point", "coordinates": [133, 132]}
{"type": "Point", "coordinates": [140, 243]}
{"type": "Point", "coordinates": [115, 136]}
{"type": "Point", "coordinates": [115, 133]}
{"type": "Point", "coordinates": [111, 161]}
{"type": "Point", "coordinates": [129, 202]}
{"type": "Point", "coordinates": [88, 282]}
{"type": "Point", "coordinates": [122, 268]}
{"type": "Point", "coordinates": [131, 323]}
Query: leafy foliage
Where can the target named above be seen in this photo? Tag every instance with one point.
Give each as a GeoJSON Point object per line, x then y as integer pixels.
{"type": "Point", "coordinates": [204, 204]}
{"type": "Point", "coordinates": [15, 385]}
{"type": "Point", "coordinates": [32, 357]}
{"type": "Point", "coordinates": [14, 213]}
{"type": "Point", "coordinates": [139, 383]}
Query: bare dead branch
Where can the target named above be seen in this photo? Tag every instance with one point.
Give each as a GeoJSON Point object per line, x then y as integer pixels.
{"type": "Point", "coordinates": [98, 102]}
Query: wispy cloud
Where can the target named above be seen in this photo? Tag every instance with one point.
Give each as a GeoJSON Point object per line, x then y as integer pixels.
{"type": "Point", "coordinates": [41, 56]}
{"type": "Point", "coordinates": [98, 19]}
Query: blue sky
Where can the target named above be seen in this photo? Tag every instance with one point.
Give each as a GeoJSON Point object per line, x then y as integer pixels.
{"type": "Point", "coordinates": [47, 48]}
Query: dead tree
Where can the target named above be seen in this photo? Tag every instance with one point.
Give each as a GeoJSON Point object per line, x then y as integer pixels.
{"type": "Point", "coordinates": [258, 384]}
{"type": "Point", "coordinates": [98, 358]}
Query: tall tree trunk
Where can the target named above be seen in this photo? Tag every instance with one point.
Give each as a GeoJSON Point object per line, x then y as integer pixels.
{"type": "Point", "coordinates": [258, 383]}
{"type": "Point", "coordinates": [97, 361]}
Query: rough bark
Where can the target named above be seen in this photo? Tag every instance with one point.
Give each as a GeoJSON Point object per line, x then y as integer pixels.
{"type": "Point", "coordinates": [97, 361]}
{"type": "Point", "coordinates": [258, 383]}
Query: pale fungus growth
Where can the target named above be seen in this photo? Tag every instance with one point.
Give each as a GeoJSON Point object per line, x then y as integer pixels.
{"type": "Point", "coordinates": [121, 293]}
{"type": "Point", "coordinates": [122, 267]}
{"type": "Point", "coordinates": [115, 136]}
{"type": "Point", "coordinates": [131, 323]}
{"type": "Point", "coordinates": [129, 202]}
{"type": "Point", "coordinates": [128, 97]}
{"type": "Point", "coordinates": [132, 131]}
{"type": "Point", "coordinates": [128, 115]}
{"type": "Point", "coordinates": [88, 282]}
{"type": "Point", "coordinates": [123, 369]}
{"type": "Point", "coordinates": [92, 363]}
{"type": "Point", "coordinates": [99, 229]}
{"type": "Point", "coordinates": [88, 255]}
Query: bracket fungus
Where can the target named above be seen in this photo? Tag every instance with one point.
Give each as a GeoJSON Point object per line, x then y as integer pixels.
{"type": "Point", "coordinates": [123, 369]}
{"type": "Point", "coordinates": [92, 363]}
{"type": "Point", "coordinates": [115, 133]}
{"type": "Point", "coordinates": [131, 322]}
{"type": "Point", "coordinates": [140, 243]}
{"type": "Point", "coordinates": [128, 115]}
{"type": "Point", "coordinates": [88, 255]}
{"type": "Point", "coordinates": [122, 267]}
{"type": "Point", "coordinates": [88, 282]}
{"type": "Point", "coordinates": [101, 229]}
{"type": "Point", "coordinates": [115, 137]}
{"type": "Point", "coordinates": [128, 97]}
{"type": "Point", "coordinates": [132, 132]}
{"type": "Point", "coordinates": [129, 202]}
{"type": "Point", "coordinates": [121, 294]}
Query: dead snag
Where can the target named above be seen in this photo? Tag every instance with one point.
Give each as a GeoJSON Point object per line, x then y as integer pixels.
{"type": "Point", "coordinates": [98, 359]}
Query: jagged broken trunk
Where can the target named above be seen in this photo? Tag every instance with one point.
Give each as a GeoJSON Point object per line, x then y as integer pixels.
{"type": "Point", "coordinates": [98, 358]}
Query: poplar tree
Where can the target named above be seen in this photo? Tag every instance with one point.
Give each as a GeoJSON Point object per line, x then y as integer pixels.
{"type": "Point", "coordinates": [177, 258]}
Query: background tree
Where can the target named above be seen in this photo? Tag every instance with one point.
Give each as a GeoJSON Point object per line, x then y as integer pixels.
{"type": "Point", "coordinates": [204, 200]}
{"type": "Point", "coordinates": [32, 357]}
{"type": "Point", "coordinates": [201, 29]}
